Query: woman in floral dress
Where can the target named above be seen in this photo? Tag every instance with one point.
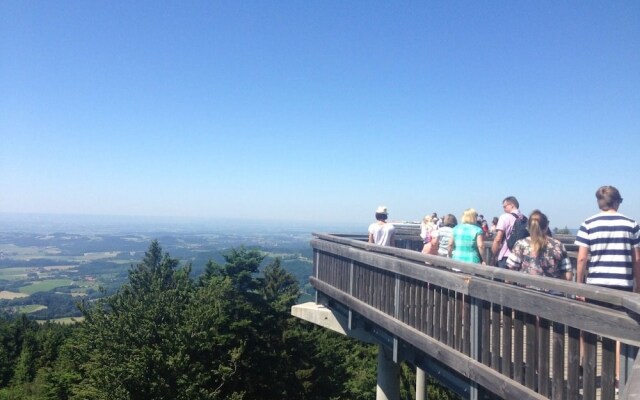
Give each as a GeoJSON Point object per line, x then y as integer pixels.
{"type": "Point", "coordinates": [540, 254]}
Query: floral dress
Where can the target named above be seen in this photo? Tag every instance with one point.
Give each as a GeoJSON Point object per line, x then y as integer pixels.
{"type": "Point", "coordinates": [552, 262]}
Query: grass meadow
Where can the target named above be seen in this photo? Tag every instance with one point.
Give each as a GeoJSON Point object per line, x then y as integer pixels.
{"type": "Point", "coordinates": [45, 286]}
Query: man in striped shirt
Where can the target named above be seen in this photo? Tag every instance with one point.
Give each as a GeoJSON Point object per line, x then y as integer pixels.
{"type": "Point", "coordinates": [609, 251]}
{"type": "Point", "coordinates": [609, 246]}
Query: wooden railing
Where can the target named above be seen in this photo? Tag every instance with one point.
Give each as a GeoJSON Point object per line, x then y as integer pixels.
{"type": "Point", "coordinates": [484, 322]}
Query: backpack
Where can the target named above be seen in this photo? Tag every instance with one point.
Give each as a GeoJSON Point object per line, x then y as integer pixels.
{"type": "Point", "coordinates": [519, 230]}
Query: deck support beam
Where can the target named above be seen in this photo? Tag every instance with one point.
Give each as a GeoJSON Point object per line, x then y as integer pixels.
{"type": "Point", "coordinates": [421, 384]}
{"type": "Point", "coordinates": [388, 387]}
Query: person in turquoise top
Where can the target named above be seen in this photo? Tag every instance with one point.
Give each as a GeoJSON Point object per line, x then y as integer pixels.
{"type": "Point", "coordinates": [467, 242]}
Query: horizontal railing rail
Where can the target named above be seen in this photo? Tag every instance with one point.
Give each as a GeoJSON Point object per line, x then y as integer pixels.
{"type": "Point", "coordinates": [485, 322]}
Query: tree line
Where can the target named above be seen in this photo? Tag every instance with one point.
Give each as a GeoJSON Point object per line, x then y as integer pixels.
{"type": "Point", "coordinates": [227, 334]}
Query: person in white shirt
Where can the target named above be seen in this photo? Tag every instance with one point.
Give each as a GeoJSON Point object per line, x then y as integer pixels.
{"type": "Point", "coordinates": [381, 232]}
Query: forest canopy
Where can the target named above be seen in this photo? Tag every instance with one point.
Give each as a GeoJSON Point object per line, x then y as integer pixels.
{"type": "Point", "coordinates": [164, 335]}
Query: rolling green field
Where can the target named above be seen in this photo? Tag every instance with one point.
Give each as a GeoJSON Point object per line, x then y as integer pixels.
{"type": "Point", "coordinates": [63, 321]}
{"type": "Point", "coordinates": [63, 269]}
{"type": "Point", "coordinates": [45, 286]}
{"type": "Point", "coordinates": [13, 274]}
{"type": "Point", "coordinates": [30, 308]}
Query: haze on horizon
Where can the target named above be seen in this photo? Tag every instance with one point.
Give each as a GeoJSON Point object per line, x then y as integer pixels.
{"type": "Point", "coordinates": [18, 223]}
{"type": "Point", "coordinates": [317, 111]}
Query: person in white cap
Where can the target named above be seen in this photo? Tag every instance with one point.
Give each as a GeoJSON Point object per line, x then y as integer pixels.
{"type": "Point", "coordinates": [381, 232]}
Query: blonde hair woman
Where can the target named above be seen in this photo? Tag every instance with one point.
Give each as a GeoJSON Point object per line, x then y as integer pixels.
{"type": "Point", "coordinates": [467, 241]}
{"type": "Point", "coordinates": [427, 228]}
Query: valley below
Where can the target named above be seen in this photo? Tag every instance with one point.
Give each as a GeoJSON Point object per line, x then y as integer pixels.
{"type": "Point", "coordinates": [46, 274]}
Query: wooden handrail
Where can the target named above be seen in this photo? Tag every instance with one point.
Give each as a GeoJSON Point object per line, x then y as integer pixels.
{"type": "Point", "coordinates": [570, 289]}
{"type": "Point", "coordinates": [425, 299]}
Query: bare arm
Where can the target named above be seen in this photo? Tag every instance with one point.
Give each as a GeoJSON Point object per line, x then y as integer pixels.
{"type": "Point", "coordinates": [451, 245]}
{"type": "Point", "coordinates": [370, 238]}
{"type": "Point", "coordinates": [480, 243]}
{"type": "Point", "coordinates": [568, 275]}
{"type": "Point", "coordinates": [636, 268]}
{"type": "Point", "coordinates": [497, 243]}
{"type": "Point", "coordinates": [435, 243]}
{"type": "Point", "coordinates": [581, 266]}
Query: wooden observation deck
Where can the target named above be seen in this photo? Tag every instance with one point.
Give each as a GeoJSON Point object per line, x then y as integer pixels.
{"type": "Point", "coordinates": [479, 329]}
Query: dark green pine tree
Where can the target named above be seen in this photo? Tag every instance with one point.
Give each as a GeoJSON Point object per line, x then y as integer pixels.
{"type": "Point", "coordinates": [7, 352]}
{"type": "Point", "coordinates": [241, 266]}
{"type": "Point", "coordinates": [229, 337]}
{"type": "Point", "coordinates": [25, 369]}
{"type": "Point", "coordinates": [279, 291]}
{"type": "Point", "coordinates": [14, 351]}
{"type": "Point", "coordinates": [260, 320]}
{"type": "Point", "coordinates": [133, 345]}
{"type": "Point", "coordinates": [161, 337]}
{"type": "Point", "coordinates": [50, 337]}
{"type": "Point", "coordinates": [280, 288]}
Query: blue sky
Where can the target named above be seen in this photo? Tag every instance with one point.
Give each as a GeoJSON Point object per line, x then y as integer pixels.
{"type": "Point", "coordinates": [318, 110]}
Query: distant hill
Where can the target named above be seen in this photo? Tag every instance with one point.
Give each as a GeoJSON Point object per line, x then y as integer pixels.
{"type": "Point", "coordinates": [93, 224]}
{"type": "Point", "coordinates": [58, 268]}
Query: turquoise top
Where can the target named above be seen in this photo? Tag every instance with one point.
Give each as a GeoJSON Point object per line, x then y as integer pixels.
{"type": "Point", "coordinates": [465, 243]}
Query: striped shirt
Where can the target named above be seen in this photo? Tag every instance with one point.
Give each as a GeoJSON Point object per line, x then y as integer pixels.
{"type": "Point", "coordinates": [611, 239]}
{"type": "Point", "coordinates": [444, 238]}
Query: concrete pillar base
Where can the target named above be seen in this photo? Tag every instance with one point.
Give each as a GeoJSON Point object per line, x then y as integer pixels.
{"type": "Point", "coordinates": [388, 387]}
{"type": "Point", "coordinates": [421, 384]}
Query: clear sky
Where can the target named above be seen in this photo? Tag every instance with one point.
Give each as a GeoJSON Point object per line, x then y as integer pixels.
{"type": "Point", "coordinates": [318, 110]}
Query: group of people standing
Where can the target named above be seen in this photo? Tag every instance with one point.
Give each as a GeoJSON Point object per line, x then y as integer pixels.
{"type": "Point", "coordinates": [538, 254]}
{"type": "Point", "coordinates": [463, 242]}
{"type": "Point", "coordinates": [608, 245]}
{"type": "Point", "coordinates": [608, 242]}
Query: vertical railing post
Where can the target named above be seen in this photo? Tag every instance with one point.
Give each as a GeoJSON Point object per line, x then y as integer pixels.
{"type": "Point", "coordinates": [316, 267]}
{"type": "Point", "coordinates": [388, 379]}
{"type": "Point", "coordinates": [476, 337]}
{"type": "Point", "coordinates": [396, 314]}
{"type": "Point", "coordinates": [627, 356]}
{"type": "Point", "coordinates": [351, 272]}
